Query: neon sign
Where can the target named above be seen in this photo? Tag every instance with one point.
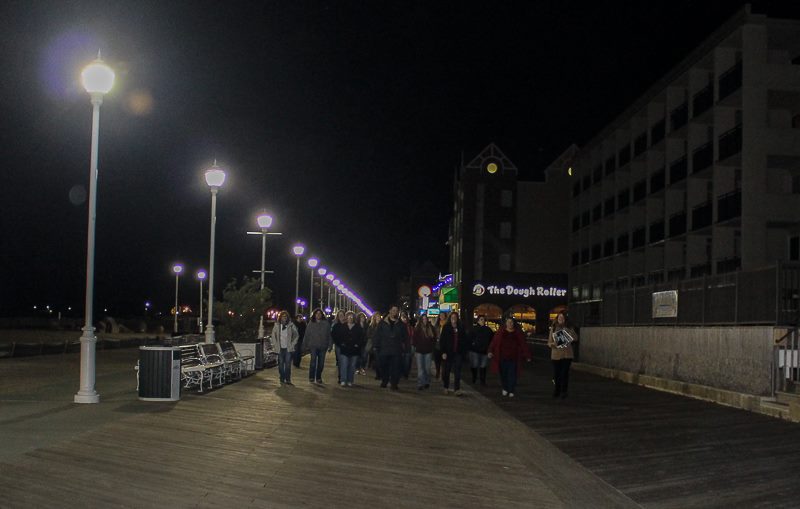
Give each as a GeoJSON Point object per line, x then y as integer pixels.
{"type": "Point", "coordinates": [531, 291]}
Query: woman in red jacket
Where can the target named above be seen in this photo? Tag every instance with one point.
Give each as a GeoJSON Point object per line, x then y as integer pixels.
{"type": "Point", "coordinates": [507, 351]}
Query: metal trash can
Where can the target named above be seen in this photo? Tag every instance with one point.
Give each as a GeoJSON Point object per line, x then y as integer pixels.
{"type": "Point", "coordinates": [159, 373]}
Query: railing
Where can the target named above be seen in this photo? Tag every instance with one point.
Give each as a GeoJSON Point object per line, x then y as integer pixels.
{"type": "Point", "coordinates": [677, 224]}
{"type": "Point", "coordinates": [730, 81]}
{"type": "Point", "coordinates": [679, 117]}
{"type": "Point", "coordinates": [766, 296]}
{"type": "Point", "coordinates": [701, 216]}
{"type": "Point", "coordinates": [677, 170]}
{"type": "Point", "coordinates": [730, 142]}
{"type": "Point", "coordinates": [729, 206]}
{"type": "Point", "coordinates": [703, 157]}
{"type": "Point", "coordinates": [786, 362]}
{"type": "Point", "coordinates": [703, 100]}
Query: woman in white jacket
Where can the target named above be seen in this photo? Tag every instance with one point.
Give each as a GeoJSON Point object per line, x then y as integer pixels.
{"type": "Point", "coordinates": [284, 337]}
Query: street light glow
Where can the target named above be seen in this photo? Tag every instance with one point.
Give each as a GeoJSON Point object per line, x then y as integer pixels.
{"type": "Point", "coordinates": [264, 220]}
{"type": "Point", "coordinates": [329, 277]}
{"type": "Point", "coordinates": [97, 77]}
{"type": "Point", "coordinates": [322, 271]}
{"type": "Point", "coordinates": [201, 275]}
{"type": "Point", "coordinates": [336, 283]}
{"type": "Point", "coordinates": [215, 176]}
{"type": "Point", "coordinates": [313, 262]}
{"type": "Point", "coordinates": [298, 250]}
{"type": "Point", "coordinates": [177, 268]}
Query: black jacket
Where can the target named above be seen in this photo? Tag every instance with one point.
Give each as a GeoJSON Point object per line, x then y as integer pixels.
{"type": "Point", "coordinates": [390, 337]}
{"type": "Point", "coordinates": [481, 337]}
{"type": "Point", "coordinates": [352, 341]}
{"type": "Point", "coordinates": [338, 333]}
{"type": "Point", "coordinates": [447, 342]}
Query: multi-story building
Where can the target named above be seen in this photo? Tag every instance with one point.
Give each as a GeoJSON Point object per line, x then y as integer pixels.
{"type": "Point", "coordinates": [509, 240]}
{"type": "Point", "coordinates": [701, 175]}
{"type": "Point", "coordinates": [685, 211]}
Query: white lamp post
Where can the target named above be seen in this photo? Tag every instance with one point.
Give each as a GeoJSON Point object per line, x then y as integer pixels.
{"type": "Point", "coordinates": [298, 251]}
{"type": "Point", "coordinates": [330, 277]}
{"type": "Point", "coordinates": [177, 269]}
{"type": "Point", "coordinates": [321, 271]}
{"type": "Point", "coordinates": [336, 284]}
{"type": "Point", "coordinates": [201, 275]}
{"type": "Point", "coordinates": [215, 177]}
{"type": "Point", "coordinates": [264, 222]}
{"type": "Point", "coordinates": [97, 78]}
{"type": "Point", "coordinates": [312, 264]}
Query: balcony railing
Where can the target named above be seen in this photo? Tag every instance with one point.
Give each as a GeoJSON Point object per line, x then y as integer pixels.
{"type": "Point", "coordinates": [677, 170]}
{"type": "Point", "coordinates": [702, 157]}
{"type": "Point", "coordinates": [677, 224]}
{"type": "Point", "coordinates": [730, 81]}
{"type": "Point", "coordinates": [729, 205]}
{"type": "Point", "coordinates": [730, 142]}
{"type": "Point", "coordinates": [703, 100]}
{"type": "Point", "coordinates": [701, 216]}
{"type": "Point", "coordinates": [679, 117]}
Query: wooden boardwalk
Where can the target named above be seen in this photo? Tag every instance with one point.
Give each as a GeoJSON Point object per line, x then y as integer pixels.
{"type": "Point", "coordinates": [254, 444]}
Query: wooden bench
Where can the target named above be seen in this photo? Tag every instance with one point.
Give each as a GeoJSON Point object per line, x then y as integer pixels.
{"type": "Point", "coordinates": [246, 360]}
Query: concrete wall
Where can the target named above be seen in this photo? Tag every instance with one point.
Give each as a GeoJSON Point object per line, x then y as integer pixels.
{"type": "Point", "coordinates": [730, 358]}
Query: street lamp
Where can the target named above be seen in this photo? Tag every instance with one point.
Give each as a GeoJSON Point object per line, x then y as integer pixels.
{"type": "Point", "coordinates": [215, 177]}
{"type": "Point", "coordinates": [264, 221]}
{"type": "Point", "coordinates": [336, 284]}
{"type": "Point", "coordinates": [312, 263]}
{"type": "Point", "coordinates": [201, 275]}
{"type": "Point", "coordinates": [330, 277]}
{"type": "Point", "coordinates": [177, 269]}
{"type": "Point", "coordinates": [298, 251]}
{"type": "Point", "coordinates": [97, 78]}
{"type": "Point", "coordinates": [321, 271]}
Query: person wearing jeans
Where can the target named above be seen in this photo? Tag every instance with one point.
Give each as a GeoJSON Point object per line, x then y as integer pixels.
{"type": "Point", "coordinates": [350, 344]}
{"type": "Point", "coordinates": [423, 342]}
{"type": "Point", "coordinates": [507, 352]}
{"type": "Point", "coordinates": [284, 336]}
{"type": "Point", "coordinates": [317, 340]}
{"type": "Point", "coordinates": [389, 340]}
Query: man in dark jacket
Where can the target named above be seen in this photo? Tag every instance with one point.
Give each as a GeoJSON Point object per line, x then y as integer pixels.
{"type": "Point", "coordinates": [389, 339]}
{"type": "Point", "coordinates": [300, 323]}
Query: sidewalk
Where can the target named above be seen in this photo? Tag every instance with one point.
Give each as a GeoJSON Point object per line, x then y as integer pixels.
{"type": "Point", "coordinates": [255, 444]}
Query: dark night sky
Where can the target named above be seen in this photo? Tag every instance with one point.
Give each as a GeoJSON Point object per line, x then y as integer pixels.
{"type": "Point", "coordinates": [344, 119]}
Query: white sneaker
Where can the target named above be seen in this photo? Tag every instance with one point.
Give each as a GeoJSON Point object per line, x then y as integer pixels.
{"type": "Point", "coordinates": [505, 392]}
{"type": "Point", "coordinates": [341, 383]}
{"type": "Point", "coordinates": [510, 394]}
{"type": "Point", "coordinates": [349, 384]}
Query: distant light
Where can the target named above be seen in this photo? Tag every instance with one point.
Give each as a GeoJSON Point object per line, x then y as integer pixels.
{"type": "Point", "coordinates": [569, 171]}
{"type": "Point", "coordinates": [201, 275]}
{"type": "Point", "coordinates": [329, 277]}
{"type": "Point", "coordinates": [328, 310]}
{"type": "Point", "coordinates": [491, 168]}
{"type": "Point", "coordinates": [177, 268]}
{"type": "Point", "coordinates": [313, 262]}
{"type": "Point", "coordinates": [264, 220]}
{"type": "Point", "coordinates": [215, 176]}
{"type": "Point", "coordinates": [322, 271]}
{"type": "Point", "coordinates": [336, 283]}
{"type": "Point", "coordinates": [97, 77]}
{"type": "Point", "coordinates": [146, 304]}
{"type": "Point", "coordinates": [69, 308]}
{"type": "Point", "coordinates": [298, 250]}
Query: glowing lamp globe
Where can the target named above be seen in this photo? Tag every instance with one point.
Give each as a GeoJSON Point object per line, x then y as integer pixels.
{"type": "Point", "coordinates": [177, 268]}
{"type": "Point", "coordinates": [201, 275]}
{"type": "Point", "coordinates": [322, 271]}
{"type": "Point", "coordinates": [215, 177]}
{"type": "Point", "coordinates": [264, 221]}
{"type": "Point", "coordinates": [336, 283]}
{"type": "Point", "coordinates": [313, 262]}
{"type": "Point", "coordinates": [97, 77]}
{"type": "Point", "coordinates": [329, 277]}
{"type": "Point", "coordinates": [298, 250]}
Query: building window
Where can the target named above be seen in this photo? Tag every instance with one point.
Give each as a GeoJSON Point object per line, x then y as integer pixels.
{"type": "Point", "coordinates": [505, 261]}
{"type": "Point", "coordinates": [795, 184]}
{"type": "Point", "coordinates": [505, 230]}
{"type": "Point", "coordinates": [506, 198]}
{"type": "Point", "coordinates": [794, 248]}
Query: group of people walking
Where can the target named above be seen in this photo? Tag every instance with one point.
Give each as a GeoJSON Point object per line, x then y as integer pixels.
{"type": "Point", "coordinates": [392, 343]}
